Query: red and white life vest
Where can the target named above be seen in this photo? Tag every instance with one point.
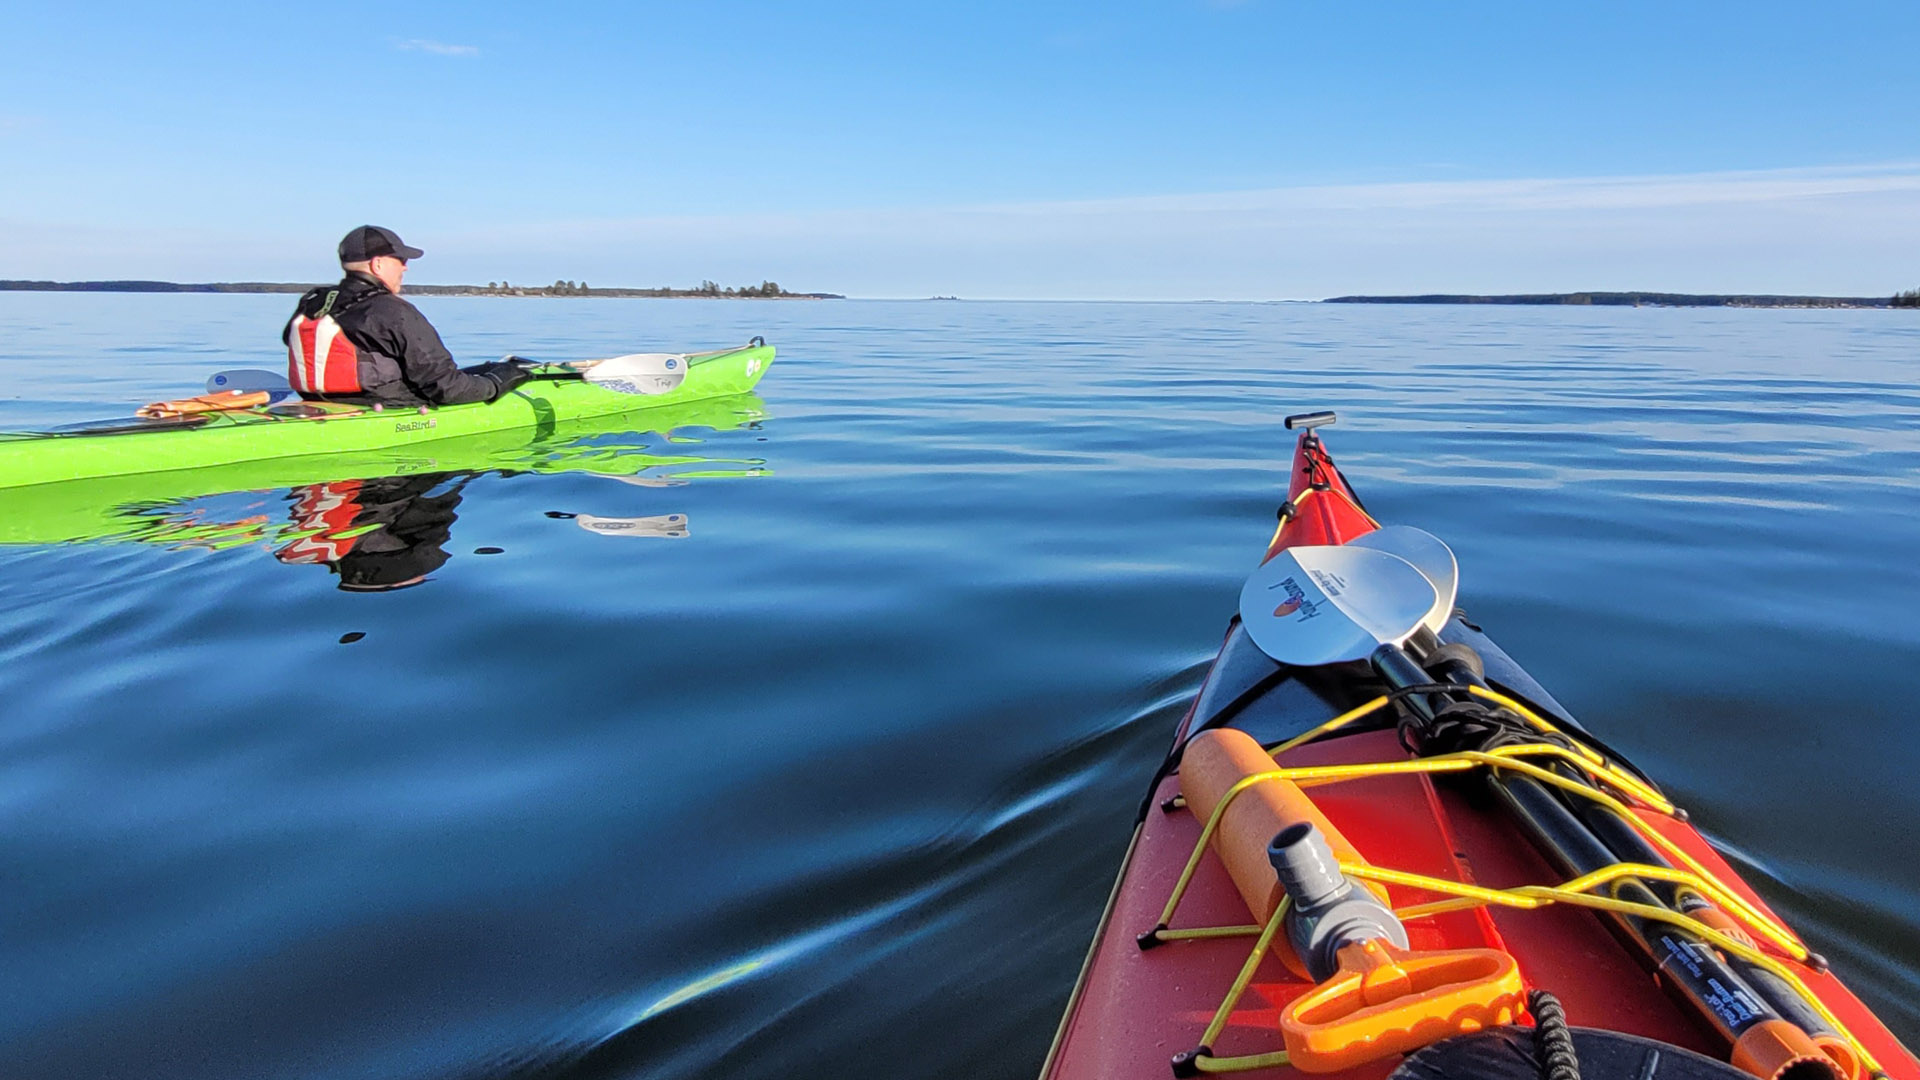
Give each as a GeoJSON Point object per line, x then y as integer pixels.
{"type": "Point", "coordinates": [320, 359]}
{"type": "Point", "coordinates": [326, 510]}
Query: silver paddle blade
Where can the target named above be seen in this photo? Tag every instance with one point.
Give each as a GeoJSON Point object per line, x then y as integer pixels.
{"type": "Point", "coordinates": [248, 380]}
{"type": "Point", "coordinates": [1430, 555]}
{"type": "Point", "coordinates": [645, 481]}
{"type": "Point", "coordinates": [1329, 605]}
{"type": "Point", "coordinates": [639, 373]}
{"type": "Point", "coordinates": [667, 526]}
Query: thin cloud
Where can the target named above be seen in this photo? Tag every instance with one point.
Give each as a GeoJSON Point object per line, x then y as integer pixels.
{"type": "Point", "coordinates": [1848, 231]}
{"type": "Point", "coordinates": [1836, 231]}
{"type": "Point", "coordinates": [437, 48]}
{"type": "Point", "coordinates": [1570, 193]}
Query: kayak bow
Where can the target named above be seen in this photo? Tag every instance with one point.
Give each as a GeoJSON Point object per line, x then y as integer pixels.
{"type": "Point", "coordinates": [1386, 855]}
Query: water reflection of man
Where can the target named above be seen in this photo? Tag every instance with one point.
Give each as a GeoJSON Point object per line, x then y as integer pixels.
{"type": "Point", "coordinates": [378, 535]}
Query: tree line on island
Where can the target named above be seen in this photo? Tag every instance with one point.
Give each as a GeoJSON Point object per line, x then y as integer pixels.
{"type": "Point", "coordinates": [771, 290]}
{"type": "Point", "coordinates": [1908, 299]}
{"type": "Point", "coordinates": [766, 290]}
{"type": "Point", "coordinates": [570, 288]}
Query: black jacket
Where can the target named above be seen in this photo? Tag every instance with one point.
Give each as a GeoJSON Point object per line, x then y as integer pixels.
{"type": "Point", "coordinates": [402, 361]}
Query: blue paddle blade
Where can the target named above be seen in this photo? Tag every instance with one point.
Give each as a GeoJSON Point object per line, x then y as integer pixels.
{"type": "Point", "coordinates": [249, 380]}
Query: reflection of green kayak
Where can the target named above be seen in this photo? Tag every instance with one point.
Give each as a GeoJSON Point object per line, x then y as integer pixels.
{"type": "Point", "coordinates": [146, 507]}
{"type": "Point", "coordinates": [294, 430]}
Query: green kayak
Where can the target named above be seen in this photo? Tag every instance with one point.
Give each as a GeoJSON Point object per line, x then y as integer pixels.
{"type": "Point", "coordinates": [166, 508]}
{"type": "Point", "coordinates": [297, 430]}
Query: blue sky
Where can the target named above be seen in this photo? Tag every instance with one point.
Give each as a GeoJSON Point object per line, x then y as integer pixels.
{"type": "Point", "coordinates": [1150, 150]}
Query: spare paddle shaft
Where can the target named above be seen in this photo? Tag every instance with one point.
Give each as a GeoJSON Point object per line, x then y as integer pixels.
{"type": "Point", "coordinates": [1627, 843]}
{"type": "Point", "coordinates": [1624, 843]}
{"type": "Point", "coordinates": [1760, 1030]}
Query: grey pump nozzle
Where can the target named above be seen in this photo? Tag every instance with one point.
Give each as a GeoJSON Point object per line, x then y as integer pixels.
{"type": "Point", "coordinates": [1328, 911]}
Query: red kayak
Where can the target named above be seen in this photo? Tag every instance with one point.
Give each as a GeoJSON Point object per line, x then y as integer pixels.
{"type": "Point", "coordinates": [1379, 848]}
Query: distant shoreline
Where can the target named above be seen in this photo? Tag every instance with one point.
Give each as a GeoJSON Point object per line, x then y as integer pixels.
{"type": "Point", "coordinates": [1633, 299]}
{"type": "Point", "coordinates": [557, 289]}
{"type": "Point", "coordinates": [769, 291]}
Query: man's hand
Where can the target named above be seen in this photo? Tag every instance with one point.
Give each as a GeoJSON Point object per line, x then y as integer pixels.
{"type": "Point", "coordinates": [505, 375]}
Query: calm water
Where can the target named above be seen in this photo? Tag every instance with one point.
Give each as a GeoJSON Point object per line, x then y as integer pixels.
{"type": "Point", "coordinates": [835, 784]}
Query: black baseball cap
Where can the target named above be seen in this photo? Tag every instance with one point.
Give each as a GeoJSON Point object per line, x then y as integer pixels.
{"type": "Point", "coordinates": [369, 241]}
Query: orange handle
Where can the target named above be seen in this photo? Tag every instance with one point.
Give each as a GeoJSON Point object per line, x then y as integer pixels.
{"type": "Point", "coordinates": [1385, 1000]}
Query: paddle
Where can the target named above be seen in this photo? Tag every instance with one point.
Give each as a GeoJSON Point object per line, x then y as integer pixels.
{"type": "Point", "coordinates": [1330, 605]}
{"type": "Point", "coordinates": [645, 374]}
{"type": "Point", "coordinates": [634, 373]}
{"type": "Point", "coordinates": [1430, 555]}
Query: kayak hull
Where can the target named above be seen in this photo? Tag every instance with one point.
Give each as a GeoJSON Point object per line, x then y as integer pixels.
{"type": "Point", "coordinates": [539, 407]}
{"type": "Point", "coordinates": [161, 508]}
{"type": "Point", "coordinates": [1134, 1008]}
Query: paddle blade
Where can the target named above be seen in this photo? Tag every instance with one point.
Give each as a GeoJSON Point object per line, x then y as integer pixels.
{"type": "Point", "coordinates": [667, 526]}
{"type": "Point", "coordinates": [249, 380]}
{"type": "Point", "coordinates": [639, 373]}
{"type": "Point", "coordinates": [646, 481]}
{"type": "Point", "coordinates": [1330, 605]}
{"type": "Point", "coordinates": [1430, 555]}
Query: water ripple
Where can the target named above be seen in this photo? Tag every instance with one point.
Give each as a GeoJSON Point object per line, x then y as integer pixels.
{"type": "Point", "coordinates": [859, 755]}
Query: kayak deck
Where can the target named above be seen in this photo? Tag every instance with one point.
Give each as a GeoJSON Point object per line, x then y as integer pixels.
{"type": "Point", "coordinates": [1155, 1002]}
{"type": "Point", "coordinates": [327, 428]}
{"type": "Point", "coordinates": [1135, 1009]}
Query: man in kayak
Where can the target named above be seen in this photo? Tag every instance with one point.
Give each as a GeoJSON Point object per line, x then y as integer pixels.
{"type": "Point", "coordinates": [359, 342]}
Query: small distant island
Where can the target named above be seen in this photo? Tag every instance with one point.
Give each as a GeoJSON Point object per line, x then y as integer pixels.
{"type": "Point", "coordinates": [706, 290]}
{"type": "Point", "coordinates": [1650, 299]}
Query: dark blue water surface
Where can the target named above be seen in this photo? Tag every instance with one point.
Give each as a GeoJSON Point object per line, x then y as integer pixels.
{"type": "Point", "coordinates": [836, 784]}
